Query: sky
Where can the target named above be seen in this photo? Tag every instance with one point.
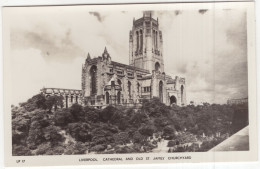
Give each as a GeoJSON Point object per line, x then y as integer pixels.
{"type": "Point", "coordinates": [48, 46]}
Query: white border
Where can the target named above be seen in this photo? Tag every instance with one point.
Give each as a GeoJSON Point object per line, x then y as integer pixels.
{"type": "Point", "coordinates": [211, 165]}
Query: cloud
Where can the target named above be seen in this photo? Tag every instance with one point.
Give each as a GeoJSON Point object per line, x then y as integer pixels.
{"type": "Point", "coordinates": [52, 47]}
{"type": "Point", "coordinates": [202, 11]}
{"type": "Point", "coordinates": [98, 16]}
{"type": "Point", "coordinates": [177, 12]}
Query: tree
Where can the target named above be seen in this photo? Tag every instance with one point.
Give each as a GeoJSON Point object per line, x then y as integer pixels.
{"type": "Point", "coordinates": [80, 131]}
{"type": "Point", "coordinates": [20, 150]}
{"type": "Point", "coordinates": [92, 115]}
{"type": "Point", "coordinates": [36, 102]}
{"type": "Point", "coordinates": [51, 134]}
{"type": "Point", "coordinates": [106, 114]}
{"type": "Point", "coordinates": [169, 131]}
{"type": "Point", "coordinates": [54, 101]}
{"type": "Point", "coordinates": [63, 117]}
{"type": "Point", "coordinates": [77, 112]}
{"type": "Point", "coordinates": [39, 121]}
{"type": "Point", "coordinates": [147, 130]}
{"type": "Point", "coordinates": [121, 138]}
{"type": "Point", "coordinates": [138, 137]}
{"type": "Point", "coordinates": [102, 133]}
{"type": "Point", "coordinates": [240, 117]}
{"type": "Point", "coordinates": [138, 118]}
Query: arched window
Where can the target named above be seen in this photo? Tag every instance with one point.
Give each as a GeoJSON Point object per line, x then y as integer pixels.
{"type": "Point", "coordinates": [71, 99]}
{"type": "Point", "coordinates": [93, 80]}
{"type": "Point", "coordinates": [66, 101]}
{"type": "Point", "coordinates": [182, 90]}
{"type": "Point", "coordinates": [157, 66]}
{"type": "Point", "coordinates": [173, 100]}
{"type": "Point", "coordinates": [141, 40]}
{"type": "Point", "coordinates": [118, 97]}
{"type": "Point", "coordinates": [119, 82]}
{"type": "Point", "coordinates": [161, 91]}
{"type": "Point", "coordinates": [137, 41]}
{"type": "Point", "coordinates": [156, 35]}
{"type": "Point", "coordinates": [129, 88]}
{"type": "Point", "coordinates": [138, 88]}
{"type": "Point", "coordinates": [107, 98]}
{"type": "Point", "coordinates": [154, 38]}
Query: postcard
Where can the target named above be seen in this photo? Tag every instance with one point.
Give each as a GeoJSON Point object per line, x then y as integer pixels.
{"type": "Point", "coordinates": [129, 84]}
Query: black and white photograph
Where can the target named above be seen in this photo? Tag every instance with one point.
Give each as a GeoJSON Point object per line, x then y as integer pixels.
{"type": "Point", "coordinates": [120, 80]}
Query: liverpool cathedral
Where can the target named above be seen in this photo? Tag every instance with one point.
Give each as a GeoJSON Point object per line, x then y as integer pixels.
{"type": "Point", "coordinates": [106, 82]}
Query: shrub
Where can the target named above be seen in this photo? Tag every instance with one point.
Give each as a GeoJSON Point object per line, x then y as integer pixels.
{"type": "Point", "coordinates": [121, 137]}
{"type": "Point", "coordinates": [169, 131]}
{"type": "Point", "coordinates": [147, 130]}
{"type": "Point", "coordinates": [20, 150]}
{"type": "Point", "coordinates": [171, 143]}
{"type": "Point", "coordinates": [43, 149]}
{"type": "Point", "coordinates": [80, 131]}
{"type": "Point", "coordinates": [76, 111]}
{"type": "Point", "coordinates": [98, 148]}
{"type": "Point", "coordinates": [63, 117]}
{"type": "Point", "coordinates": [51, 134]}
{"type": "Point", "coordinates": [138, 137]}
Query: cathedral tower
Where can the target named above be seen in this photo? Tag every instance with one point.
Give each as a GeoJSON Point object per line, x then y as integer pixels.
{"type": "Point", "coordinates": [145, 44]}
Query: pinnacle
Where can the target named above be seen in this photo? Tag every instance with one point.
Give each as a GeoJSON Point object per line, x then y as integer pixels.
{"type": "Point", "coordinates": [88, 57]}
{"type": "Point", "coordinates": [105, 51]}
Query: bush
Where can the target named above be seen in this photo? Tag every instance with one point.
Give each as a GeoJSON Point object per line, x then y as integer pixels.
{"type": "Point", "coordinates": [92, 116]}
{"type": "Point", "coordinates": [171, 143]}
{"type": "Point", "coordinates": [138, 137]}
{"type": "Point", "coordinates": [43, 149]}
{"type": "Point", "coordinates": [106, 114]}
{"type": "Point", "coordinates": [98, 148]}
{"type": "Point", "coordinates": [147, 130]}
{"type": "Point", "coordinates": [169, 131]}
{"type": "Point", "coordinates": [121, 137]}
{"type": "Point", "coordinates": [20, 150]}
{"type": "Point", "coordinates": [76, 111]}
{"type": "Point", "coordinates": [63, 117]}
{"type": "Point", "coordinates": [80, 131]}
{"type": "Point", "coordinates": [124, 150]}
{"type": "Point", "coordinates": [51, 134]}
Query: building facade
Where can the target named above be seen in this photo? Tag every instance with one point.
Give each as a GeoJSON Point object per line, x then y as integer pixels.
{"type": "Point", "coordinates": [237, 101]}
{"type": "Point", "coordinates": [106, 82]}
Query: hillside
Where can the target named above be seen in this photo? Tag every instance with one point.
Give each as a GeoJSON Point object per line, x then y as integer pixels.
{"type": "Point", "coordinates": [41, 126]}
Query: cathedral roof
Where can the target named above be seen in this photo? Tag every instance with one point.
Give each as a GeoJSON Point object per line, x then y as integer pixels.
{"type": "Point", "coordinates": [129, 67]}
{"type": "Point", "coordinates": [171, 81]}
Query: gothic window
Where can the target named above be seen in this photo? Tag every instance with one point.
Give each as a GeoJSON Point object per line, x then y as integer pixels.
{"type": "Point", "coordinates": [156, 35]}
{"type": "Point", "coordinates": [93, 80]}
{"type": "Point", "coordinates": [119, 82]}
{"type": "Point", "coordinates": [118, 97]}
{"type": "Point", "coordinates": [107, 98]}
{"type": "Point", "coordinates": [182, 88]}
{"type": "Point", "coordinates": [66, 101]}
{"type": "Point", "coordinates": [141, 40]}
{"type": "Point", "coordinates": [137, 41]}
{"type": "Point", "coordinates": [173, 100]}
{"type": "Point", "coordinates": [129, 88]}
{"type": "Point", "coordinates": [161, 91]}
{"type": "Point", "coordinates": [157, 66]}
{"type": "Point", "coordinates": [154, 38]}
{"type": "Point", "coordinates": [71, 99]}
{"type": "Point", "coordinates": [76, 99]}
{"type": "Point", "coordinates": [138, 88]}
